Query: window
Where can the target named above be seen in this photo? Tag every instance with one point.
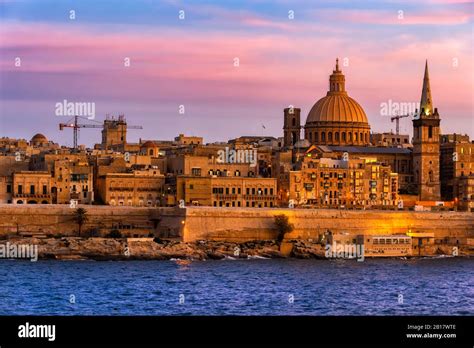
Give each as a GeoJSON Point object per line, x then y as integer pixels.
{"type": "Point", "coordinates": [430, 132]}
{"type": "Point", "coordinates": [196, 171]}
{"type": "Point", "coordinates": [293, 122]}
{"type": "Point", "coordinates": [316, 138]}
{"type": "Point", "coordinates": [336, 136]}
{"type": "Point", "coordinates": [343, 136]}
{"type": "Point", "coordinates": [323, 137]}
{"type": "Point", "coordinates": [191, 187]}
{"type": "Point", "coordinates": [226, 190]}
{"type": "Point", "coordinates": [32, 189]}
{"type": "Point", "coordinates": [9, 188]}
{"type": "Point", "coordinates": [271, 191]}
{"type": "Point", "coordinates": [45, 189]}
{"type": "Point", "coordinates": [330, 136]}
{"type": "Point", "coordinates": [239, 192]}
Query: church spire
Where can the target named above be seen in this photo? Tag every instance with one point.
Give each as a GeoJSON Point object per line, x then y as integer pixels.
{"type": "Point", "coordinates": [426, 103]}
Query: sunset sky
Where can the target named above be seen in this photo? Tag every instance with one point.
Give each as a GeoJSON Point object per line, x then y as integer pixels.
{"type": "Point", "coordinates": [190, 62]}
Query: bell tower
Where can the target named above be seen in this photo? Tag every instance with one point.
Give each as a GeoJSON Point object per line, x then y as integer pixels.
{"type": "Point", "coordinates": [426, 152]}
{"type": "Point", "coordinates": [291, 126]}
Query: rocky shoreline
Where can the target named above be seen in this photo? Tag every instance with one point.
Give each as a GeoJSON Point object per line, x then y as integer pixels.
{"type": "Point", "coordinates": [76, 248]}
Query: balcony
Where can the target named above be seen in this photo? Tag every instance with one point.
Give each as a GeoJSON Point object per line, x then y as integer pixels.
{"type": "Point", "coordinates": [224, 197]}
{"type": "Point", "coordinates": [31, 195]}
{"type": "Point", "coordinates": [260, 197]}
{"type": "Point", "coordinates": [118, 188]}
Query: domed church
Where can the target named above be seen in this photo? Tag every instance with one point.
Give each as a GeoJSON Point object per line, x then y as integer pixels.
{"type": "Point", "coordinates": [337, 119]}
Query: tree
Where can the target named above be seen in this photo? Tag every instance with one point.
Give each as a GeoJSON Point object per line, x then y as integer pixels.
{"type": "Point", "coordinates": [283, 226]}
{"type": "Point", "coordinates": [114, 234]}
{"type": "Point", "coordinates": [81, 218]}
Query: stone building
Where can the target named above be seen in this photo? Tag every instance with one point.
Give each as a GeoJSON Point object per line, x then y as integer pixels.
{"type": "Point", "coordinates": [464, 192]}
{"type": "Point", "coordinates": [227, 191]}
{"type": "Point", "coordinates": [136, 188]}
{"type": "Point", "coordinates": [188, 140]}
{"type": "Point", "coordinates": [457, 160]}
{"type": "Point", "coordinates": [8, 166]}
{"type": "Point", "coordinates": [390, 139]}
{"type": "Point", "coordinates": [332, 183]}
{"type": "Point", "coordinates": [114, 133]}
{"type": "Point", "coordinates": [212, 166]}
{"type": "Point", "coordinates": [31, 187]}
{"type": "Point", "coordinates": [291, 126]}
{"type": "Point", "coordinates": [72, 176]}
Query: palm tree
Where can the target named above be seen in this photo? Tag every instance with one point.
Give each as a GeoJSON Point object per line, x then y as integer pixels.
{"type": "Point", "coordinates": [80, 217]}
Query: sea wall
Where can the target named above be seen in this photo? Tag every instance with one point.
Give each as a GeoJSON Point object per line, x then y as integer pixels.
{"type": "Point", "coordinates": [59, 220]}
{"type": "Point", "coordinates": [228, 224]}
{"type": "Point", "coordinates": [245, 224]}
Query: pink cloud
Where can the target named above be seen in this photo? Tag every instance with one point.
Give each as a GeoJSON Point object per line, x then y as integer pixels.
{"type": "Point", "coordinates": [405, 17]}
{"type": "Point", "coordinates": [171, 66]}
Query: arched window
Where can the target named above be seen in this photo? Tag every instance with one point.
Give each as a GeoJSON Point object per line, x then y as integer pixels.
{"type": "Point", "coordinates": [361, 138]}
{"type": "Point", "coordinates": [344, 136]}
{"type": "Point", "coordinates": [310, 137]}
{"type": "Point", "coordinates": [293, 122]}
{"type": "Point", "coordinates": [316, 138]}
{"type": "Point", "coordinates": [336, 136]}
{"type": "Point", "coordinates": [329, 136]}
{"type": "Point", "coordinates": [355, 136]}
{"type": "Point", "coordinates": [350, 136]}
{"type": "Point", "coordinates": [323, 136]}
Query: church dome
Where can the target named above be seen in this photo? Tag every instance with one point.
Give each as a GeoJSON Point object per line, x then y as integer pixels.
{"type": "Point", "coordinates": [148, 144]}
{"type": "Point", "coordinates": [39, 139]}
{"type": "Point", "coordinates": [337, 119]}
{"type": "Point", "coordinates": [337, 108]}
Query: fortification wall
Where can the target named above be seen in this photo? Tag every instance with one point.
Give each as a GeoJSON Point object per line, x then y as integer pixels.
{"type": "Point", "coordinates": [230, 224]}
{"type": "Point", "coordinates": [58, 219]}
{"type": "Point", "coordinates": [244, 224]}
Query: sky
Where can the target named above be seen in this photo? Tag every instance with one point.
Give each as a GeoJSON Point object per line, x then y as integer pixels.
{"type": "Point", "coordinates": [222, 69]}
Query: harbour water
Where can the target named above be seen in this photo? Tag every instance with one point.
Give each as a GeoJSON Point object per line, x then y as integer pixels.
{"type": "Point", "coordinates": [440, 286]}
